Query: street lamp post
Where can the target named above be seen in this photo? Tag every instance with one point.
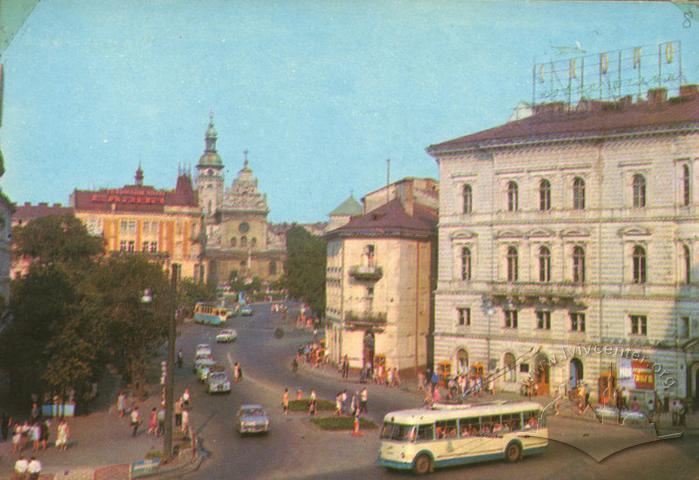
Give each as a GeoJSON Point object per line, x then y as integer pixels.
{"type": "Point", "coordinates": [170, 378]}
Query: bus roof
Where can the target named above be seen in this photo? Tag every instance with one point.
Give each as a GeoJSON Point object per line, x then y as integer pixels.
{"type": "Point", "coordinates": [442, 412]}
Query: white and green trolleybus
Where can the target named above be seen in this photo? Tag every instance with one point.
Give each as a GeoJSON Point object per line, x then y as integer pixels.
{"type": "Point", "coordinates": [209, 314]}
{"type": "Point", "coordinates": [447, 435]}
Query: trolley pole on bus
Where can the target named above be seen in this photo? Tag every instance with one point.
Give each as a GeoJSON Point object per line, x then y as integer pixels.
{"type": "Point", "coordinates": [170, 380]}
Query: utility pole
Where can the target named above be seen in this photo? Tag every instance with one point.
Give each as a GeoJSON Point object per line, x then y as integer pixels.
{"type": "Point", "coordinates": [170, 381]}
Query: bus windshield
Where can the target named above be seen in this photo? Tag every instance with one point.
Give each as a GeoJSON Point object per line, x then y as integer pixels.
{"type": "Point", "coordinates": [399, 433]}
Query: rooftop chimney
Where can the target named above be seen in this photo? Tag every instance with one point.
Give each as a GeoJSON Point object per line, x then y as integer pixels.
{"type": "Point", "coordinates": [657, 96]}
{"type": "Point", "coordinates": [688, 90]}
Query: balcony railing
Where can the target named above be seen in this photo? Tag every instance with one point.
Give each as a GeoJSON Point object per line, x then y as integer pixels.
{"type": "Point", "coordinates": [366, 319]}
{"type": "Point", "coordinates": [366, 272]}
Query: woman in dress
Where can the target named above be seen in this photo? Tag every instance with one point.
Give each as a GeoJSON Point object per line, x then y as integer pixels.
{"type": "Point", "coordinates": [62, 435]}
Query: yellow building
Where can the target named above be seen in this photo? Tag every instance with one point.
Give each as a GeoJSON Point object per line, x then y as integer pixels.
{"type": "Point", "coordinates": [380, 269]}
{"type": "Point", "coordinates": [163, 224]}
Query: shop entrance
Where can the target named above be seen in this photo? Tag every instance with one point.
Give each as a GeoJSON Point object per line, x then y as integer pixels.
{"type": "Point", "coordinates": [576, 374]}
{"type": "Point", "coordinates": [368, 351]}
{"type": "Point", "coordinates": [542, 374]}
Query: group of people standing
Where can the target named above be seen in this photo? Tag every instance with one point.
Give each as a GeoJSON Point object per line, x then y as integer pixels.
{"type": "Point", "coordinates": [356, 407]}
{"type": "Point", "coordinates": [156, 419]}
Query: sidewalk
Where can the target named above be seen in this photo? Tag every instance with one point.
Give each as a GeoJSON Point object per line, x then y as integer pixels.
{"type": "Point", "coordinates": [101, 438]}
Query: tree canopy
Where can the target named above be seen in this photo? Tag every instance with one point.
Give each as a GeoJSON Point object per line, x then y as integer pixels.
{"type": "Point", "coordinates": [305, 267]}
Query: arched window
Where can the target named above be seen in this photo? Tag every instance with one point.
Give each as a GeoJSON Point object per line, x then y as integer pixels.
{"type": "Point", "coordinates": [639, 191]}
{"type": "Point", "coordinates": [243, 241]}
{"type": "Point", "coordinates": [510, 367]}
{"type": "Point", "coordinates": [687, 264]}
{"type": "Point", "coordinates": [467, 199]}
{"type": "Point", "coordinates": [462, 362]}
{"type": "Point", "coordinates": [512, 197]}
{"type": "Point", "coordinates": [465, 263]}
{"type": "Point", "coordinates": [544, 264]}
{"type": "Point", "coordinates": [512, 265]}
{"type": "Point", "coordinates": [234, 242]}
{"type": "Point", "coordinates": [544, 195]}
{"type": "Point", "coordinates": [578, 193]}
{"type": "Point", "coordinates": [578, 265]}
{"type": "Point", "coordinates": [686, 186]}
{"type": "Point", "coordinates": [639, 264]}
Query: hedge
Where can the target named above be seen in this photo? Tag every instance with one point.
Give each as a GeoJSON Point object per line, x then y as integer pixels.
{"type": "Point", "coordinates": [342, 423]}
{"type": "Point", "coordinates": [303, 405]}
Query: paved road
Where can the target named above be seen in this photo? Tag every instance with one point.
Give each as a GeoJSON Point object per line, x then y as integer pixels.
{"type": "Point", "coordinates": [296, 450]}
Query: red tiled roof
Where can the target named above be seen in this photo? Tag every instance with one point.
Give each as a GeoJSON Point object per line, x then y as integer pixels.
{"type": "Point", "coordinates": [27, 212]}
{"type": "Point", "coordinates": [391, 220]}
{"type": "Point", "coordinates": [592, 118]}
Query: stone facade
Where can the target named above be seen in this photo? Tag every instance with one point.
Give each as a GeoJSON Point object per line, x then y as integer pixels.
{"type": "Point", "coordinates": [569, 247]}
{"type": "Point", "coordinates": [380, 267]}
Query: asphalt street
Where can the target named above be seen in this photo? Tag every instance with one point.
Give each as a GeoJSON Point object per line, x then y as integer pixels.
{"type": "Point", "coordinates": [295, 449]}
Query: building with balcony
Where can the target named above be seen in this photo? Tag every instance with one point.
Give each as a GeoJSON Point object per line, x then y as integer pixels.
{"type": "Point", "coordinates": [380, 270]}
{"type": "Point", "coordinates": [568, 248]}
{"type": "Point", "coordinates": [165, 225]}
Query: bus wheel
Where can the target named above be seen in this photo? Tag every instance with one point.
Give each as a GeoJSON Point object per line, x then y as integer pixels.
{"type": "Point", "coordinates": [423, 464]}
{"type": "Point", "coordinates": [513, 452]}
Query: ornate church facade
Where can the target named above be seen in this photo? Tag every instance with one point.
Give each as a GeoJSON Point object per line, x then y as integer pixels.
{"type": "Point", "coordinates": [239, 240]}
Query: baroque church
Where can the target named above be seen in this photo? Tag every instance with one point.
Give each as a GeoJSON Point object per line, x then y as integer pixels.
{"type": "Point", "coordinates": [239, 240]}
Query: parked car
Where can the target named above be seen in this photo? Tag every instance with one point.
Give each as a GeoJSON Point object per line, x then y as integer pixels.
{"type": "Point", "coordinates": [246, 311]}
{"type": "Point", "coordinates": [218, 382]}
{"type": "Point", "coordinates": [227, 335]}
{"type": "Point", "coordinates": [252, 419]}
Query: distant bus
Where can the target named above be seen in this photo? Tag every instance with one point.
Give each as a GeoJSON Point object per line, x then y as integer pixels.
{"type": "Point", "coordinates": [211, 314]}
{"type": "Point", "coordinates": [424, 439]}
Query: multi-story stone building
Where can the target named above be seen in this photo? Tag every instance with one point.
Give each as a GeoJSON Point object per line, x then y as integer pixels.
{"type": "Point", "coordinates": [239, 238]}
{"type": "Point", "coordinates": [568, 248]}
{"type": "Point", "coordinates": [380, 268]}
{"type": "Point", "coordinates": [166, 225]}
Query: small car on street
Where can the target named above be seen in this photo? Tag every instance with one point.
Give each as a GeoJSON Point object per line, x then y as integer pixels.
{"type": "Point", "coordinates": [206, 368]}
{"type": "Point", "coordinates": [203, 360]}
{"type": "Point", "coordinates": [227, 335]}
{"type": "Point", "coordinates": [217, 382]}
{"type": "Point", "coordinates": [246, 311]}
{"type": "Point", "coordinates": [203, 349]}
{"type": "Point", "coordinates": [252, 419]}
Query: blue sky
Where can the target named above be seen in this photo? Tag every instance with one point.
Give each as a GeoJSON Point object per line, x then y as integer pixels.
{"type": "Point", "coordinates": [320, 93]}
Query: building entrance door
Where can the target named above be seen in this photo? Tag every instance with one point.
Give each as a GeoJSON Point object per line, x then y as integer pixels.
{"type": "Point", "coordinates": [542, 374]}
{"type": "Point", "coordinates": [368, 353]}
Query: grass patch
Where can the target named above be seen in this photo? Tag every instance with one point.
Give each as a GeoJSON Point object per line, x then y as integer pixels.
{"type": "Point", "coordinates": [342, 423]}
{"type": "Point", "coordinates": [303, 404]}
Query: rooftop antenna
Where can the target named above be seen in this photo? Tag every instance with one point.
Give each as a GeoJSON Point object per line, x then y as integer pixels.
{"type": "Point", "coordinates": [388, 178]}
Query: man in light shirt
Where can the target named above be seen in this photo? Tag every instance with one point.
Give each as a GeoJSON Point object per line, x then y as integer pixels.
{"type": "Point", "coordinates": [34, 469]}
{"type": "Point", "coordinates": [21, 466]}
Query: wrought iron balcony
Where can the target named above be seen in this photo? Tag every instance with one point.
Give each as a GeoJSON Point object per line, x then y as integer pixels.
{"type": "Point", "coordinates": [366, 319]}
{"type": "Point", "coordinates": [366, 272]}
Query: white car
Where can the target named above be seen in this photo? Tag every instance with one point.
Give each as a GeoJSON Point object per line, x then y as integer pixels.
{"type": "Point", "coordinates": [203, 360]}
{"type": "Point", "coordinates": [252, 419]}
{"type": "Point", "coordinates": [218, 382]}
{"type": "Point", "coordinates": [226, 335]}
{"type": "Point", "coordinates": [203, 349]}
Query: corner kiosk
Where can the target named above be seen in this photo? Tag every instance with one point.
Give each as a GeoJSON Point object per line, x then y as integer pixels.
{"type": "Point", "coordinates": [447, 435]}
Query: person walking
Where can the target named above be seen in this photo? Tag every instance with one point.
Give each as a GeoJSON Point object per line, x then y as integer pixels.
{"type": "Point", "coordinates": [364, 401]}
{"type": "Point", "coordinates": [185, 421]}
{"type": "Point", "coordinates": [135, 421]}
{"type": "Point", "coordinates": [34, 468]}
{"type": "Point", "coordinates": [354, 404]}
{"type": "Point", "coordinates": [153, 421]}
{"type": "Point", "coordinates": [312, 403]}
{"type": "Point", "coordinates": [21, 466]}
{"type": "Point", "coordinates": [17, 439]}
{"type": "Point", "coordinates": [160, 430]}
{"type": "Point", "coordinates": [237, 372]}
{"type": "Point", "coordinates": [62, 434]}
{"type": "Point", "coordinates": [44, 433]}
{"type": "Point", "coordinates": [121, 403]}
{"type": "Point", "coordinates": [178, 412]}
{"type": "Point", "coordinates": [180, 358]}
{"type": "Point", "coordinates": [285, 401]}
{"type": "Point", "coordinates": [35, 435]}
{"type": "Point", "coordinates": [185, 399]}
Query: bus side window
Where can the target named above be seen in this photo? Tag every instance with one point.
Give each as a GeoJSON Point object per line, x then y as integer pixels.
{"type": "Point", "coordinates": [469, 427]}
{"type": "Point", "coordinates": [425, 433]}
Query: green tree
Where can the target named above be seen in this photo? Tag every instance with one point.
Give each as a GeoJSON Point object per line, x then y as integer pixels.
{"type": "Point", "coordinates": [189, 292]}
{"type": "Point", "coordinates": [57, 239]}
{"type": "Point", "coordinates": [305, 267]}
{"type": "Point", "coordinates": [133, 329]}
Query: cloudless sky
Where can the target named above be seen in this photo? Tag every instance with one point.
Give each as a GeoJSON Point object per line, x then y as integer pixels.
{"type": "Point", "coordinates": [320, 92]}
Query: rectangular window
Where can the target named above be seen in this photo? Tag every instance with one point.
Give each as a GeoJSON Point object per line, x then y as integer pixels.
{"type": "Point", "coordinates": [523, 368]}
{"type": "Point", "coordinates": [543, 320]}
{"type": "Point", "coordinates": [464, 316]}
{"type": "Point", "coordinates": [639, 324]}
{"type": "Point", "coordinates": [370, 292]}
{"type": "Point", "coordinates": [683, 328]}
{"type": "Point", "coordinates": [132, 226]}
{"type": "Point", "coordinates": [577, 322]}
{"type": "Point", "coordinates": [425, 433]}
{"type": "Point", "coordinates": [510, 318]}
{"type": "Point", "coordinates": [123, 226]}
{"type": "Point", "coordinates": [445, 429]}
